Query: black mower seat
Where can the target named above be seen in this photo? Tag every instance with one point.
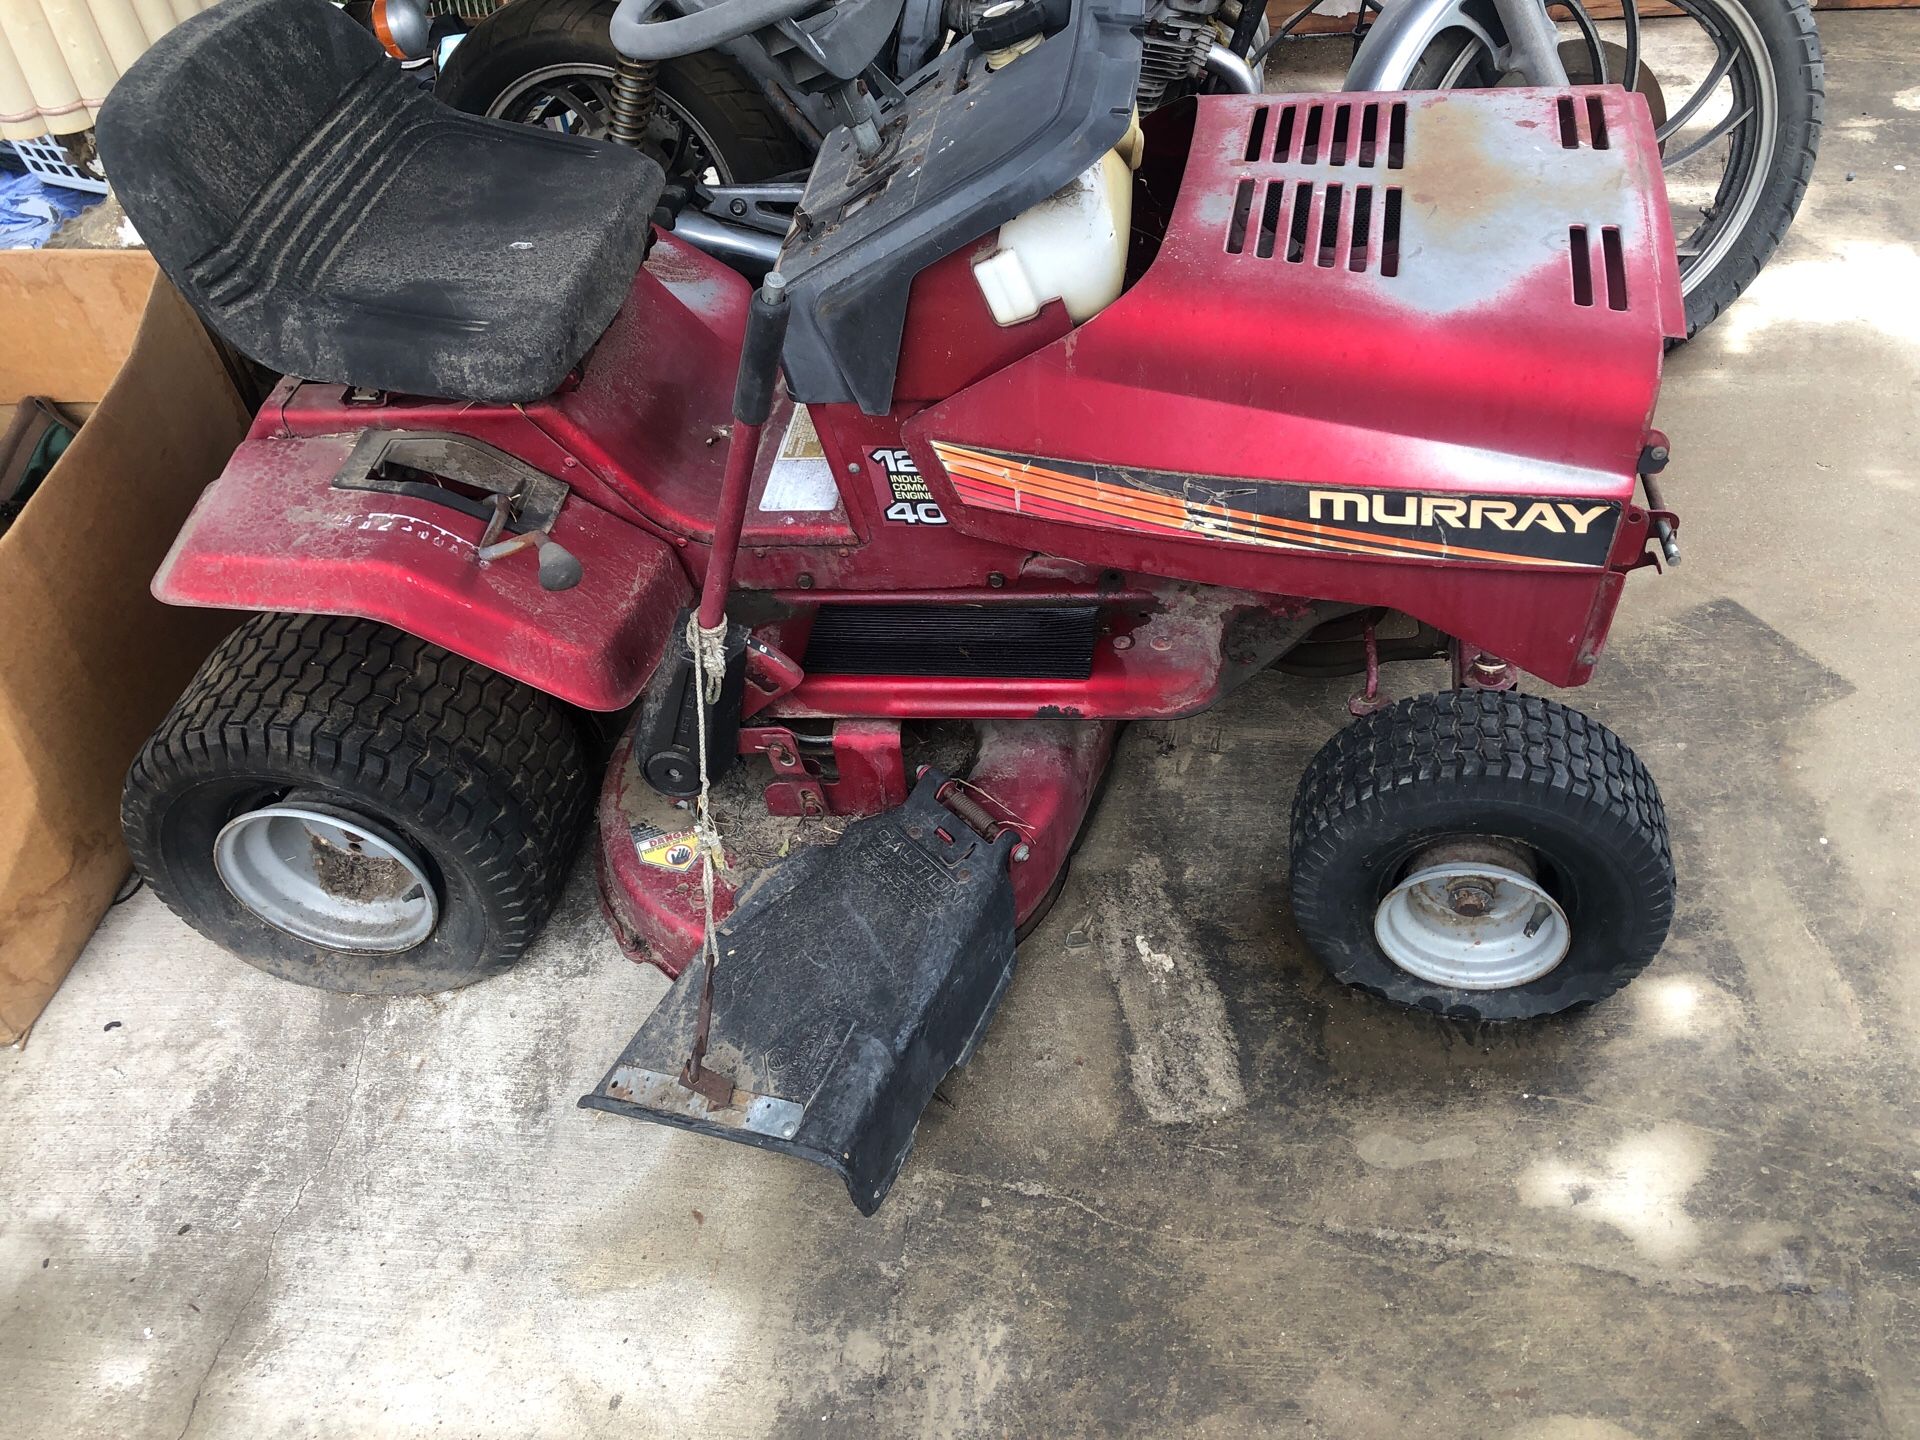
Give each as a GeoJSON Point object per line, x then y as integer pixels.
{"type": "Point", "coordinates": [335, 222]}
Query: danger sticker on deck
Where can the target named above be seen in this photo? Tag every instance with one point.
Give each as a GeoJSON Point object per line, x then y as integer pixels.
{"type": "Point", "coordinates": [676, 850]}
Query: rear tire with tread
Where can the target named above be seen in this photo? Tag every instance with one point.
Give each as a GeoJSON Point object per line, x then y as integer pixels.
{"type": "Point", "coordinates": [486, 779]}
{"type": "Point", "coordinates": [527, 36]}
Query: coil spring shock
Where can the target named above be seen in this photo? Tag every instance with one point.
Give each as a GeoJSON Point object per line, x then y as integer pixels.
{"type": "Point", "coordinates": [633, 97]}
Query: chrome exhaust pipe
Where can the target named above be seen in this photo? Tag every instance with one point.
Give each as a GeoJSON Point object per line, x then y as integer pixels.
{"type": "Point", "coordinates": [727, 242]}
{"type": "Point", "coordinates": [1233, 73]}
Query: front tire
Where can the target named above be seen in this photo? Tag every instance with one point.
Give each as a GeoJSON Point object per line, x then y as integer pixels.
{"type": "Point", "coordinates": [1539, 821]}
{"type": "Point", "coordinates": [346, 806]}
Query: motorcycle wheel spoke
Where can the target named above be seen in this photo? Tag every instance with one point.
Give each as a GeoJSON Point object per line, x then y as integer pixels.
{"type": "Point", "coordinates": [561, 101]}
{"type": "Point", "coordinates": [1722, 127]}
{"type": "Point", "coordinates": [1725, 58]}
{"type": "Point", "coordinates": [1590, 36]}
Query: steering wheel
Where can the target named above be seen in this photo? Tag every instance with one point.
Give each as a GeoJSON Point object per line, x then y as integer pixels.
{"type": "Point", "coordinates": [638, 36]}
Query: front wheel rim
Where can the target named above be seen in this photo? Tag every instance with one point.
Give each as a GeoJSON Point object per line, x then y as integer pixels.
{"type": "Point", "coordinates": [1749, 162]}
{"type": "Point", "coordinates": [1472, 923]}
{"type": "Point", "coordinates": [328, 877]}
{"type": "Point", "coordinates": [1753, 121]}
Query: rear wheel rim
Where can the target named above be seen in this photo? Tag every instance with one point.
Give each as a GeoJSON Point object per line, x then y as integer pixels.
{"type": "Point", "coordinates": [1472, 924]}
{"type": "Point", "coordinates": [327, 876]}
{"type": "Point", "coordinates": [576, 99]}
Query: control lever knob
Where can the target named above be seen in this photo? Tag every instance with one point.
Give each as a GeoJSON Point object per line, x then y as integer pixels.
{"type": "Point", "coordinates": [559, 569]}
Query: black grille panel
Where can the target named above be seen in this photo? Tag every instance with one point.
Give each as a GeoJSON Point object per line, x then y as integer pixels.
{"type": "Point", "coordinates": [999, 642]}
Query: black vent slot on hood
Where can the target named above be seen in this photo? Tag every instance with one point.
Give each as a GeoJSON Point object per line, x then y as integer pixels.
{"type": "Point", "coordinates": [996, 642]}
{"type": "Point", "coordinates": [1287, 224]}
{"type": "Point", "coordinates": [1355, 135]}
{"type": "Point", "coordinates": [1611, 282]}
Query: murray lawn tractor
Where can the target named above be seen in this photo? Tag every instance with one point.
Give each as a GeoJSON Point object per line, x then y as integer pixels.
{"type": "Point", "coordinates": [837, 587]}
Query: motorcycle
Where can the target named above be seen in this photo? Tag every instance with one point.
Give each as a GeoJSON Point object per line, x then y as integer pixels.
{"type": "Point", "coordinates": [1738, 135]}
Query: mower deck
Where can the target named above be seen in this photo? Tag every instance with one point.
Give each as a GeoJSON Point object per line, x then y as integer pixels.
{"type": "Point", "coordinates": [1037, 778]}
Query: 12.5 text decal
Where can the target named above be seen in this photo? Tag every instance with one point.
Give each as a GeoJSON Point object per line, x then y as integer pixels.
{"type": "Point", "coordinates": [912, 502]}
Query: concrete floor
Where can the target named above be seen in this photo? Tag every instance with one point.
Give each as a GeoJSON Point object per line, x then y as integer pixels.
{"type": "Point", "coordinates": [1215, 1195]}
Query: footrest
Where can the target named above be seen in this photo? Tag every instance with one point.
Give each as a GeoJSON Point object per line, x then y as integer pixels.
{"type": "Point", "coordinates": [851, 979]}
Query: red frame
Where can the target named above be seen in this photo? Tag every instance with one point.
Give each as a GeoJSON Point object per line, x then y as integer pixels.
{"type": "Point", "coordinates": [639, 436]}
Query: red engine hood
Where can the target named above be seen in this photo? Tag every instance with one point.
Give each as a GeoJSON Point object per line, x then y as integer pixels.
{"type": "Point", "coordinates": [1463, 295]}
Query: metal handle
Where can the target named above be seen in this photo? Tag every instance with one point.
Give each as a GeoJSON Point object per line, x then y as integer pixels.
{"type": "Point", "coordinates": [1662, 530]}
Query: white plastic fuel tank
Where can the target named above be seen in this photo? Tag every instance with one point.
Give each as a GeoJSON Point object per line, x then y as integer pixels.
{"type": "Point", "coordinates": [1071, 247]}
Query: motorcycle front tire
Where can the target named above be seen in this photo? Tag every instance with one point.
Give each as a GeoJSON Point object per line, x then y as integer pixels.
{"type": "Point", "coordinates": [1781, 36]}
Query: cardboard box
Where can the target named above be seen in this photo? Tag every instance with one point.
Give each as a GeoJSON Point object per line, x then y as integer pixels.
{"type": "Point", "coordinates": [89, 660]}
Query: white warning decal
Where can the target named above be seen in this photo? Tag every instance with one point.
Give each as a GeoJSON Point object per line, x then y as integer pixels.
{"type": "Point", "coordinates": [802, 476]}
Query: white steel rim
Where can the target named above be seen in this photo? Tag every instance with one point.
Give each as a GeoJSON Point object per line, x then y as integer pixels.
{"type": "Point", "coordinates": [1521, 934]}
{"type": "Point", "coordinates": [326, 877]}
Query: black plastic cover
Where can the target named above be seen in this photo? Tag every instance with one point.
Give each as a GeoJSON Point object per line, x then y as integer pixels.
{"type": "Point", "coordinates": [969, 150]}
{"type": "Point", "coordinates": [667, 735]}
{"type": "Point", "coordinates": [333, 221]}
{"type": "Point", "coordinates": [1010, 26]}
{"type": "Point", "coordinates": [852, 978]}
{"type": "Point", "coordinates": [1013, 642]}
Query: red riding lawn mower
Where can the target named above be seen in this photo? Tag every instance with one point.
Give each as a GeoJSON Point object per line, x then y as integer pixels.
{"type": "Point", "coordinates": [1045, 421]}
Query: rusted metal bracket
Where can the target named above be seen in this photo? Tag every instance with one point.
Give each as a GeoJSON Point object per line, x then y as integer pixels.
{"type": "Point", "coordinates": [711, 1086]}
{"type": "Point", "coordinates": [1475, 669]}
{"type": "Point", "coordinates": [958, 796]}
{"type": "Point", "coordinates": [1665, 524]}
{"type": "Point", "coordinates": [1368, 700]}
{"type": "Point", "coordinates": [797, 790]}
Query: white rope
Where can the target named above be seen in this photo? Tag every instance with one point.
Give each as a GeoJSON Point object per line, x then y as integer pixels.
{"type": "Point", "coordinates": [709, 650]}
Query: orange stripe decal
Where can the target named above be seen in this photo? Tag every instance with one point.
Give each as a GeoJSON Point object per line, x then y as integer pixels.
{"type": "Point", "coordinates": [1508, 529]}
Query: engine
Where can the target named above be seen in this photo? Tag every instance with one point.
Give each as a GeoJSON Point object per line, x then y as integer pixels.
{"type": "Point", "coordinates": [1174, 43]}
